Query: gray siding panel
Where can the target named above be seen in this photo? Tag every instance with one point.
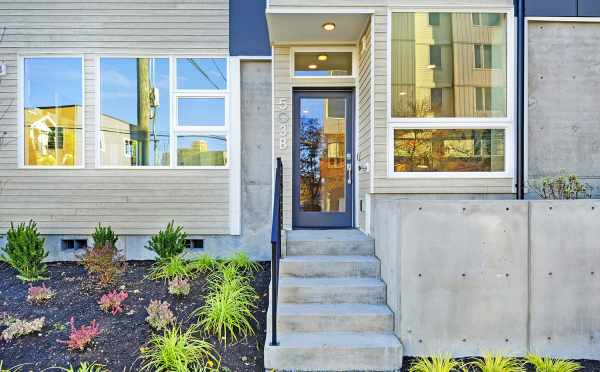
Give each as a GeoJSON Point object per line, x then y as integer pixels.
{"type": "Point", "coordinates": [551, 8]}
{"type": "Point", "coordinates": [248, 34]}
{"type": "Point", "coordinates": [133, 201]}
{"type": "Point", "coordinates": [588, 8]}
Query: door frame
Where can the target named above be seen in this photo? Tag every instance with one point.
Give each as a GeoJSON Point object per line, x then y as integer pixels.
{"type": "Point", "coordinates": [351, 189]}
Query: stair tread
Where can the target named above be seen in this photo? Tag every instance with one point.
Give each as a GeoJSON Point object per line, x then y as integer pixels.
{"type": "Point", "coordinates": [329, 282]}
{"type": "Point", "coordinates": [326, 235]}
{"type": "Point", "coordinates": [307, 340]}
{"type": "Point", "coordinates": [333, 309]}
{"type": "Point", "coordinates": [328, 258]}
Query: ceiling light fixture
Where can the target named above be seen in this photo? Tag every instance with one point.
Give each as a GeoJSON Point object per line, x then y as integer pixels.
{"type": "Point", "coordinates": [322, 57]}
{"type": "Point", "coordinates": [312, 66]}
{"type": "Point", "coordinates": [329, 26]}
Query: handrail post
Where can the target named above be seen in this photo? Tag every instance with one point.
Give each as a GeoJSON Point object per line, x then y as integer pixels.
{"type": "Point", "coordinates": [276, 228]}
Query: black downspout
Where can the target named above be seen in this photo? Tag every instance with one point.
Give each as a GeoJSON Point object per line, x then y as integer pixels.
{"type": "Point", "coordinates": [520, 186]}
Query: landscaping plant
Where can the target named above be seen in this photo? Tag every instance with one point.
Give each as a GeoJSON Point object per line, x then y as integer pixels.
{"type": "Point", "coordinates": [16, 327]}
{"type": "Point", "coordinates": [18, 368]}
{"type": "Point", "coordinates": [203, 264]}
{"type": "Point", "coordinates": [104, 263]}
{"type": "Point", "coordinates": [170, 268]}
{"type": "Point", "coordinates": [104, 235]}
{"type": "Point", "coordinates": [241, 262]}
{"type": "Point", "coordinates": [80, 338]}
{"type": "Point", "coordinates": [547, 364]}
{"type": "Point", "coordinates": [169, 242]}
{"type": "Point", "coordinates": [177, 351]}
{"type": "Point", "coordinates": [40, 294]}
{"type": "Point", "coordinates": [563, 186]}
{"type": "Point", "coordinates": [160, 315]}
{"type": "Point", "coordinates": [24, 251]}
{"type": "Point", "coordinates": [437, 363]}
{"type": "Point", "coordinates": [498, 363]}
{"type": "Point", "coordinates": [113, 302]}
{"type": "Point", "coordinates": [86, 367]}
{"type": "Point", "coordinates": [179, 287]}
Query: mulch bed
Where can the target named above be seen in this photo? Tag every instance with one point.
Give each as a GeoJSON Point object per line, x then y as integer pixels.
{"type": "Point", "coordinates": [121, 336]}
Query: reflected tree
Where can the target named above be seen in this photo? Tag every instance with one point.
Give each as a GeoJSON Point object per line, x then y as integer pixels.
{"type": "Point", "coordinates": [310, 153]}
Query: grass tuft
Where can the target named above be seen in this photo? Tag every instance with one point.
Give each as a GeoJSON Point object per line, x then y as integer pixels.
{"type": "Point", "coordinates": [203, 264]}
{"type": "Point", "coordinates": [436, 363]}
{"type": "Point", "coordinates": [86, 367]}
{"type": "Point", "coordinates": [241, 262]}
{"type": "Point", "coordinates": [498, 363]}
{"type": "Point", "coordinates": [171, 268]}
{"type": "Point", "coordinates": [547, 364]}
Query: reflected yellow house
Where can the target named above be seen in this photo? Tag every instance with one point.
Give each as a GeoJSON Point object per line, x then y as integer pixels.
{"type": "Point", "coordinates": [53, 135]}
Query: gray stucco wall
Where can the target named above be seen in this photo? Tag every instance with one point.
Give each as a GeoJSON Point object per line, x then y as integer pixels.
{"type": "Point", "coordinates": [467, 277]}
{"type": "Point", "coordinates": [564, 91]}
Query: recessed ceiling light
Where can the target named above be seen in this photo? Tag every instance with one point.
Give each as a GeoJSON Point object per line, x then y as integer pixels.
{"type": "Point", "coordinates": [402, 93]}
{"type": "Point", "coordinates": [312, 67]}
{"type": "Point", "coordinates": [329, 26]}
{"type": "Point", "coordinates": [431, 67]}
{"type": "Point", "coordinates": [322, 57]}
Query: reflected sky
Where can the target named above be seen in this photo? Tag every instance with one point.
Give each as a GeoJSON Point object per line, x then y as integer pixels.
{"type": "Point", "coordinates": [201, 73]}
{"type": "Point", "coordinates": [51, 82]}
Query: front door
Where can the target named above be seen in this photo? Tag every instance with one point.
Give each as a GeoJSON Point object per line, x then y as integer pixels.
{"type": "Point", "coordinates": [323, 153]}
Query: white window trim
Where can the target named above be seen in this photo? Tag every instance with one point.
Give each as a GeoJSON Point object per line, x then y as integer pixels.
{"type": "Point", "coordinates": [507, 123]}
{"type": "Point", "coordinates": [324, 49]}
{"type": "Point", "coordinates": [21, 110]}
{"type": "Point", "coordinates": [174, 130]}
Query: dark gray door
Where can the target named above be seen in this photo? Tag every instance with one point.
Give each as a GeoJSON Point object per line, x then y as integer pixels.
{"type": "Point", "coordinates": [323, 154]}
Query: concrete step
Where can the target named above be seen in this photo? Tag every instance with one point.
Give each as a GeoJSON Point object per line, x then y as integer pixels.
{"type": "Point", "coordinates": [331, 290]}
{"type": "Point", "coordinates": [330, 266]}
{"type": "Point", "coordinates": [334, 351]}
{"type": "Point", "coordinates": [333, 318]}
{"type": "Point", "coordinates": [329, 243]}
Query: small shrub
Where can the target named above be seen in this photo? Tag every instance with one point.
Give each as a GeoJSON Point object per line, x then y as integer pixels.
{"type": "Point", "coordinates": [203, 264]}
{"type": "Point", "coordinates": [103, 236]}
{"type": "Point", "coordinates": [179, 287]}
{"type": "Point", "coordinates": [438, 363]}
{"type": "Point", "coordinates": [104, 263]}
{"type": "Point", "coordinates": [160, 315]}
{"type": "Point", "coordinates": [25, 251]}
{"type": "Point", "coordinates": [178, 351]}
{"type": "Point", "coordinates": [546, 364]}
{"type": "Point", "coordinates": [498, 363]}
{"type": "Point", "coordinates": [169, 242]}
{"type": "Point", "coordinates": [170, 268]}
{"type": "Point", "coordinates": [80, 338]}
{"type": "Point", "coordinates": [113, 302]}
{"type": "Point", "coordinates": [18, 327]}
{"type": "Point", "coordinates": [86, 367]}
{"type": "Point", "coordinates": [563, 186]}
{"type": "Point", "coordinates": [242, 263]}
{"type": "Point", "coordinates": [40, 294]}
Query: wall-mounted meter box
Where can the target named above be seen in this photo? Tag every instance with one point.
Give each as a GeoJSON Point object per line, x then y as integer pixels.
{"type": "Point", "coordinates": [3, 69]}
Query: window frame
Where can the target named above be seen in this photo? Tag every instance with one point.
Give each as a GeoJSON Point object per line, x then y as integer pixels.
{"type": "Point", "coordinates": [507, 123]}
{"type": "Point", "coordinates": [324, 49]}
{"type": "Point", "coordinates": [21, 110]}
{"type": "Point", "coordinates": [174, 129]}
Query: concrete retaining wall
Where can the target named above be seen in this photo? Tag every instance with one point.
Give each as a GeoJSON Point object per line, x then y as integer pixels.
{"type": "Point", "coordinates": [466, 277]}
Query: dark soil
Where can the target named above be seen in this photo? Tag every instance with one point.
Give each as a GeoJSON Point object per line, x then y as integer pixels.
{"type": "Point", "coordinates": [122, 335]}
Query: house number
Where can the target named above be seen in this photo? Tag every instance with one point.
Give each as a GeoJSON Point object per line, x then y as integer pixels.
{"type": "Point", "coordinates": [283, 117]}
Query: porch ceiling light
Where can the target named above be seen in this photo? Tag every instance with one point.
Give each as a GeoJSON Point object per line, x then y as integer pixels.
{"type": "Point", "coordinates": [329, 26]}
{"type": "Point", "coordinates": [322, 57]}
{"type": "Point", "coordinates": [312, 66]}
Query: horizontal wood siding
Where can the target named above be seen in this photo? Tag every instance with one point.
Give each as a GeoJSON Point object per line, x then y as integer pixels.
{"type": "Point", "coordinates": [364, 120]}
{"type": "Point", "coordinates": [133, 201]}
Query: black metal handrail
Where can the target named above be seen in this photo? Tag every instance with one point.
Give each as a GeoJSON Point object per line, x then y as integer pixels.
{"type": "Point", "coordinates": [276, 228]}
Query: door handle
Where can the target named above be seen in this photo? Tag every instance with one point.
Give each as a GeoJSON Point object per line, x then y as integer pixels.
{"type": "Point", "coordinates": [349, 172]}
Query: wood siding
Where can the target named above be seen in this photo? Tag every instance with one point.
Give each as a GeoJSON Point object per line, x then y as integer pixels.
{"type": "Point", "coordinates": [133, 201]}
{"type": "Point", "coordinates": [364, 105]}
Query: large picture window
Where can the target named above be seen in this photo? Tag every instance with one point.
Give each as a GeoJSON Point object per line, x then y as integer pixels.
{"type": "Point", "coordinates": [164, 112]}
{"type": "Point", "coordinates": [450, 94]}
{"type": "Point", "coordinates": [53, 111]}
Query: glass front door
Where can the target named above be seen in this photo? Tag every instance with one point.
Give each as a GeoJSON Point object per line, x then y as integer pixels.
{"type": "Point", "coordinates": [323, 153]}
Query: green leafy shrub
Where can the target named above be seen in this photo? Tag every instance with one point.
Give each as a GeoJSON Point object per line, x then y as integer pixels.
{"type": "Point", "coordinates": [437, 363]}
{"type": "Point", "coordinates": [498, 363]}
{"type": "Point", "coordinates": [104, 235]}
{"type": "Point", "coordinates": [241, 262]}
{"type": "Point", "coordinates": [177, 351]}
{"type": "Point", "coordinates": [169, 242]}
{"type": "Point", "coordinates": [160, 315]}
{"type": "Point", "coordinates": [546, 364]}
{"type": "Point", "coordinates": [25, 251]}
{"type": "Point", "coordinates": [563, 186]}
{"type": "Point", "coordinates": [170, 268]}
{"type": "Point", "coordinates": [86, 367]}
{"type": "Point", "coordinates": [104, 263]}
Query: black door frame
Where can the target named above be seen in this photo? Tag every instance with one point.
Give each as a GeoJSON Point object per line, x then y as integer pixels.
{"type": "Point", "coordinates": [324, 220]}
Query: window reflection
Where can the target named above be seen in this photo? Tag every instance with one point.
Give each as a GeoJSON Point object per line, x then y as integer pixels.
{"type": "Point", "coordinates": [135, 111]}
{"type": "Point", "coordinates": [202, 73]}
{"type": "Point", "coordinates": [208, 150]}
{"type": "Point", "coordinates": [53, 100]}
{"type": "Point", "coordinates": [323, 64]}
{"type": "Point", "coordinates": [449, 150]}
{"type": "Point", "coordinates": [451, 56]}
{"type": "Point", "coordinates": [201, 111]}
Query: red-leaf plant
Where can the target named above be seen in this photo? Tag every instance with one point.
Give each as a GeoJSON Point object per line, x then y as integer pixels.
{"type": "Point", "coordinates": [80, 338]}
{"type": "Point", "coordinates": [112, 302]}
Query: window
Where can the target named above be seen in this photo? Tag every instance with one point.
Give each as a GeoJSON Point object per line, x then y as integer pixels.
{"type": "Point", "coordinates": [434, 19]}
{"type": "Point", "coordinates": [488, 99]}
{"type": "Point", "coordinates": [323, 64]}
{"type": "Point", "coordinates": [144, 119]}
{"type": "Point", "coordinates": [486, 19]}
{"type": "Point", "coordinates": [435, 56]}
{"type": "Point", "coordinates": [449, 150]}
{"type": "Point", "coordinates": [437, 99]}
{"type": "Point", "coordinates": [421, 61]}
{"type": "Point", "coordinates": [52, 111]}
{"type": "Point", "coordinates": [476, 18]}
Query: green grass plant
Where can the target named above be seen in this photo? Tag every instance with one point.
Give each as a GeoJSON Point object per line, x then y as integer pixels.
{"type": "Point", "coordinates": [436, 363]}
{"type": "Point", "coordinates": [203, 264]}
{"type": "Point", "coordinates": [498, 363]}
{"type": "Point", "coordinates": [18, 368]}
{"type": "Point", "coordinates": [86, 367]}
{"type": "Point", "coordinates": [178, 351]}
{"type": "Point", "coordinates": [242, 263]}
{"type": "Point", "coordinates": [547, 364]}
{"type": "Point", "coordinates": [171, 268]}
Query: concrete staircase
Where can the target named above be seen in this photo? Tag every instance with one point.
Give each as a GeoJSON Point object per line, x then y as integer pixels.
{"type": "Point", "coordinates": [332, 314]}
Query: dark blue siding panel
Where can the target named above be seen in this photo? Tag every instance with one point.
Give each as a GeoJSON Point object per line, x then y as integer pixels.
{"type": "Point", "coordinates": [551, 8]}
{"type": "Point", "coordinates": [248, 35]}
{"type": "Point", "coordinates": [589, 8]}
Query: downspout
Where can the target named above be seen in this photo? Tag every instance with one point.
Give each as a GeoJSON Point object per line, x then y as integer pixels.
{"type": "Point", "coordinates": [520, 186]}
